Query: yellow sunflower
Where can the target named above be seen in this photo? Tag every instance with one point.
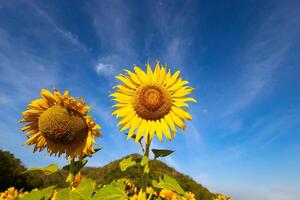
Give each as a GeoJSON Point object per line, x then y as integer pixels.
{"type": "Point", "coordinates": [189, 196]}
{"type": "Point", "coordinates": [152, 102]}
{"type": "Point", "coordinates": [168, 195]}
{"type": "Point", "coordinates": [61, 124]}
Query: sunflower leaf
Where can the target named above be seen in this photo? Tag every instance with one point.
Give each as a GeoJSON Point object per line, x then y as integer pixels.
{"type": "Point", "coordinates": [126, 163]}
{"type": "Point", "coordinates": [50, 169]}
{"type": "Point", "coordinates": [144, 161]}
{"type": "Point", "coordinates": [39, 194]}
{"type": "Point", "coordinates": [113, 191]}
{"type": "Point", "coordinates": [168, 183]}
{"type": "Point", "coordinates": [134, 136]}
{"type": "Point", "coordinates": [161, 152]}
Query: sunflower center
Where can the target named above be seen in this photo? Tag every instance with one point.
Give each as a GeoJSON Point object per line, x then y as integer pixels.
{"type": "Point", "coordinates": [62, 126]}
{"type": "Point", "coordinates": [152, 102]}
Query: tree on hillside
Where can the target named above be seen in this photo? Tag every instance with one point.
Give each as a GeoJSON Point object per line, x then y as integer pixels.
{"type": "Point", "coordinates": [11, 170]}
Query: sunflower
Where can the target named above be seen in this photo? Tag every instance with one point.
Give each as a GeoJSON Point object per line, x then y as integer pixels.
{"type": "Point", "coordinates": [152, 102]}
{"type": "Point", "coordinates": [189, 196]}
{"type": "Point", "coordinates": [61, 124]}
{"type": "Point", "coordinates": [168, 195]}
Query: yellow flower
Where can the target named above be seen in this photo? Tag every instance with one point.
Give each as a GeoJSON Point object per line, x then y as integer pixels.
{"type": "Point", "coordinates": [152, 102]}
{"type": "Point", "coordinates": [189, 196]}
{"type": "Point", "coordinates": [168, 195]}
{"type": "Point", "coordinates": [140, 196]}
{"type": "Point", "coordinates": [61, 124]}
{"type": "Point", "coordinates": [10, 194]}
{"type": "Point", "coordinates": [221, 197]}
{"type": "Point", "coordinates": [149, 190]}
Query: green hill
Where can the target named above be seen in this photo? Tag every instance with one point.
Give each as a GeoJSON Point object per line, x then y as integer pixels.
{"type": "Point", "coordinates": [102, 175]}
{"type": "Point", "coordinates": [111, 171]}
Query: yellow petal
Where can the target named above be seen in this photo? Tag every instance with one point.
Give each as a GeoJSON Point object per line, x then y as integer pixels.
{"type": "Point", "coordinates": [162, 75]}
{"type": "Point", "coordinates": [172, 79]}
{"type": "Point", "coordinates": [178, 85]}
{"type": "Point", "coordinates": [152, 129]}
{"type": "Point", "coordinates": [134, 77]}
{"type": "Point", "coordinates": [170, 122]}
{"type": "Point", "coordinates": [156, 73]}
{"type": "Point", "coordinates": [141, 75]}
{"type": "Point", "coordinates": [126, 81]}
{"type": "Point", "coordinates": [178, 122]}
{"type": "Point", "coordinates": [126, 119]}
{"type": "Point", "coordinates": [158, 130]}
{"type": "Point", "coordinates": [168, 76]}
{"type": "Point", "coordinates": [47, 96]}
{"type": "Point", "coordinates": [129, 123]}
{"type": "Point", "coordinates": [140, 131]}
{"type": "Point", "coordinates": [182, 113]}
{"type": "Point", "coordinates": [149, 73]}
{"type": "Point", "coordinates": [183, 92]}
{"type": "Point", "coordinates": [133, 127]}
{"type": "Point", "coordinates": [125, 90]}
{"type": "Point", "coordinates": [165, 129]}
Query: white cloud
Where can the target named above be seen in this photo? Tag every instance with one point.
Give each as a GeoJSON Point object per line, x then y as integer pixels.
{"type": "Point", "coordinates": [105, 69]}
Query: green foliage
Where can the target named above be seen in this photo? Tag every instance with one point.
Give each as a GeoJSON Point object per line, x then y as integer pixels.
{"type": "Point", "coordinates": [113, 191]}
{"type": "Point", "coordinates": [161, 153]}
{"type": "Point", "coordinates": [50, 169]}
{"type": "Point", "coordinates": [110, 172]}
{"type": "Point", "coordinates": [38, 195]}
{"type": "Point", "coordinates": [168, 183]}
{"type": "Point", "coordinates": [126, 163]}
{"type": "Point", "coordinates": [102, 176]}
{"type": "Point", "coordinates": [11, 174]}
{"type": "Point", "coordinates": [83, 191]}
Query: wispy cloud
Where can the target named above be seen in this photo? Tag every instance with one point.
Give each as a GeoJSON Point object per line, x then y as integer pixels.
{"type": "Point", "coordinates": [116, 35]}
{"type": "Point", "coordinates": [71, 37]}
{"type": "Point", "coordinates": [262, 59]}
{"type": "Point", "coordinates": [174, 36]}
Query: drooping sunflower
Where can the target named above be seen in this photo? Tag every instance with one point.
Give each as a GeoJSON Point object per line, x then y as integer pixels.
{"type": "Point", "coordinates": [61, 124]}
{"type": "Point", "coordinates": [152, 102]}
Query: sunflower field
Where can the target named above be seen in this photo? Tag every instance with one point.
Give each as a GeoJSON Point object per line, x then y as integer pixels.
{"type": "Point", "coordinates": [148, 103]}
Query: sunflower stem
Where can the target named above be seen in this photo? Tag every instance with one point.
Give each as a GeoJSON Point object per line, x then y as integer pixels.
{"type": "Point", "coordinates": [145, 173]}
{"type": "Point", "coordinates": [72, 174]}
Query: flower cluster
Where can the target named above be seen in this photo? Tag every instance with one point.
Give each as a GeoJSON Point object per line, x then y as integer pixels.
{"type": "Point", "coordinates": [151, 102]}
{"type": "Point", "coordinates": [12, 194]}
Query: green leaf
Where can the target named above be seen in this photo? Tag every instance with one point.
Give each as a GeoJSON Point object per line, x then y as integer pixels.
{"type": "Point", "coordinates": [145, 160]}
{"type": "Point", "coordinates": [50, 169]}
{"type": "Point", "coordinates": [134, 136]}
{"type": "Point", "coordinates": [127, 162]}
{"type": "Point", "coordinates": [78, 165]}
{"type": "Point", "coordinates": [161, 152]}
{"type": "Point", "coordinates": [85, 189]}
{"type": "Point", "coordinates": [96, 150]}
{"type": "Point", "coordinates": [40, 194]}
{"type": "Point", "coordinates": [64, 194]}
{"type": "Point", "coordinates": [168, 183]}
{"type": "Point", "coordinates": [113, 191]}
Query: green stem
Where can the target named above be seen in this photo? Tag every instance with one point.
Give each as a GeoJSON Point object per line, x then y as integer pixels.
{"type": "Point", "coordinates": [72, 174]}
{"type": "Point", "coordinates": [145, 175]}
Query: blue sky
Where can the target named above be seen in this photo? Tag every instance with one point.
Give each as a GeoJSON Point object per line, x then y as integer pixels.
{"type": "Point", "coordinates": [241, 56]}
